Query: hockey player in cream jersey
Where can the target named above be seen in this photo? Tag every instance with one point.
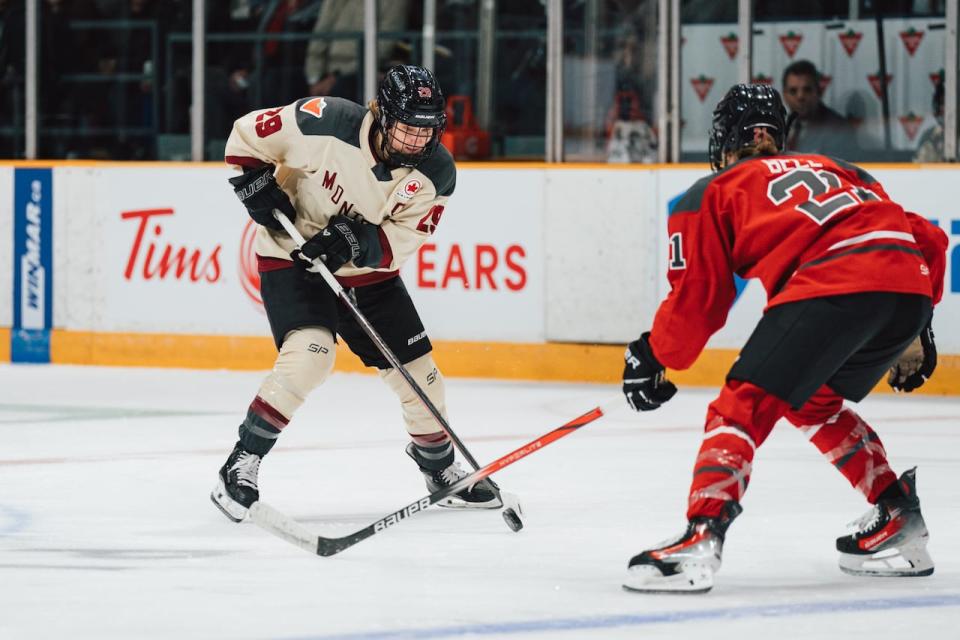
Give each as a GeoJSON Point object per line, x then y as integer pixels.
{"type": "Point", "coordinates": [367, 186]}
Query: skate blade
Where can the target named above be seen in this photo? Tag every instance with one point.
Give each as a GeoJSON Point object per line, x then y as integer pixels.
{"type": "Point", "coordinates": [227, 505]}
{"type": "Point", "coordinates": [908, 562]}
{"type": "Point", "coordinates": [691, 579]}
{"type": "Point", "coordinates": [452, 502]}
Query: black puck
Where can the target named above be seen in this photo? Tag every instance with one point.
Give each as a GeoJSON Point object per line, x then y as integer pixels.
{"type": "Point", "coordinates": [512, 519]}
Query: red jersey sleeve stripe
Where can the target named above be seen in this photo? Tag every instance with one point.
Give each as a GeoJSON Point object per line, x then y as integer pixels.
{"type": "Point", "coordinates": [265, 264]}
{"type": "Point", "coordinates": [243, 161]}
{"type": "Point", "coordinates": [385, 248]}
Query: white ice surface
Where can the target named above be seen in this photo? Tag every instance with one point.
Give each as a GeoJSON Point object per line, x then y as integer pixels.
{"type": "Point", "coordinates": [107, 531]}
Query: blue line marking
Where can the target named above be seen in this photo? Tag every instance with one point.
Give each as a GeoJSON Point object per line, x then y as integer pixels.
{"type": "Point", "coordinates": [12, 520]}
{"type": "Point", "coordinates": [669, 617]}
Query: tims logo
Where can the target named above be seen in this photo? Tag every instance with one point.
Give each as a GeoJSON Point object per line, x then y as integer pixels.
{"type": "Point", "coordinates": [33, 276]}
{"type": "Point", "coordinates": [158, 259]}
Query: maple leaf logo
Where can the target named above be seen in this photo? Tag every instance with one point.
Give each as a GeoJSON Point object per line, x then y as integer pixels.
{"type": "Point", "coordinates": [911, 124]}
{"type": "Point", "coordinates": [731, 43]}
{"type": "Point", "coordinates": [850, 40]}
{"type": "Point", "coordinates": [791, 42]}
{"type": "Point", "coordinates": [911, 40]}
{"type": "Point", "coordinates": [875, 83]}
{"type": "Point", "coordinates": [702, 86]}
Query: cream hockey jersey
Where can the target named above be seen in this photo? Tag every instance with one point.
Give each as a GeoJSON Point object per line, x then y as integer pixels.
{"type": "Point", "coordinates": [321, 147]}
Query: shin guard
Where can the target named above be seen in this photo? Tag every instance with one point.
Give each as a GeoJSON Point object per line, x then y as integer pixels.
{"type": "Point", "coordinates": [304, 362]}
{"type": "Point", "coordinates": [738, 422]}
{"type": "Point", "coordinates": [846, 441]}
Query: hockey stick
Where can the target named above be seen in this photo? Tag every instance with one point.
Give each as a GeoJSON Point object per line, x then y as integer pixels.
{"type": "Point", "coordinates": [510, 514]}
{"type": "Point", "coordinates": [269, 519]}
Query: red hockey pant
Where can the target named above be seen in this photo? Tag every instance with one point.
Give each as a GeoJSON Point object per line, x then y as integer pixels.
{"type": "Point", "coordinates": [741, 418]}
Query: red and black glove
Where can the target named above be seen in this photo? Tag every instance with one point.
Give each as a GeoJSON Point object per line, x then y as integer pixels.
{"type": "Point", "coordinates": [644, 381]}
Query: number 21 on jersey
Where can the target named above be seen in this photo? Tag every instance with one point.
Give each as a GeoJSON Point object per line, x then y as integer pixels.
{"type": "Point", "coordinates": [676, 252]}
{"type": "Point", "coordinates": [809, 184]}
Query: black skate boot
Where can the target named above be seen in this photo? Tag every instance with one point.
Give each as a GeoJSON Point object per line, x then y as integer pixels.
{"type": "Point", "coordinates": [479, 496]}
{"type": "Point", "coordinates": [236, 488]}
{"type": "Point", "coordinates": [684, 564]}
{"type": "Point", "coordinates": [890, 539]}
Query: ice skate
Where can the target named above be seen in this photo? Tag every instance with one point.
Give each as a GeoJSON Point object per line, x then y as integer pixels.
{"type": "Point", "coordinates": [684, 564]}
{"type": "Point", "coordinates": [236, 487]}
{"type": "Point", "coordinates": [890, 539]}
{"type": "Point", "coordinates": [479, 496]}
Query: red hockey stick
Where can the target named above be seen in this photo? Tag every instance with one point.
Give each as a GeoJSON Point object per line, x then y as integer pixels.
{"type": "Point", "coordinates": [292, 531]}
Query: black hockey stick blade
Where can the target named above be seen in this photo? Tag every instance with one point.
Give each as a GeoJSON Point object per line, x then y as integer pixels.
{"type": "Point", "coordinates": [275, 522]}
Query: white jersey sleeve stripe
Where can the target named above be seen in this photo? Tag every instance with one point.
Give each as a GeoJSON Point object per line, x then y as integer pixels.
{"type": "Point", "coordinates": [874, 235]}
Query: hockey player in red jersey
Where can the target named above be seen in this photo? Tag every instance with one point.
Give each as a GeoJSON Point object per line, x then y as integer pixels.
{"type": "Point", "coordinates": [851, 280]}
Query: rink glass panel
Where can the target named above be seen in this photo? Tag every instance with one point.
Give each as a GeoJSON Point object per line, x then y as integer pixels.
{"type": "Point", "coordinates": [843, 44]}
{"type": "Point", "coordinates": [610, 81]}
{"type": "Point", "coordinates": [118, 86]}
{"type": "Point", "coordinates": [101, 79]}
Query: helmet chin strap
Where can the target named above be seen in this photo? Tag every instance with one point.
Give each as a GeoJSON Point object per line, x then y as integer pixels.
{"type": "Point", "coordinates": [377, 142]}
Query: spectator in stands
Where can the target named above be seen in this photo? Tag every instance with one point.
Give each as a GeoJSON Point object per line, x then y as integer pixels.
{"type": "Point", "coordinates": [101, 110]}
{"type": "Point", "coordinates": [930, 148]}
{"type": "Point", "coordinates": [817, 128]}
{"type": "Point", "coordinates": [231, 88]}
{"type": "Point", "coordinates": [58, 56]}
{"type": "Point", "coordinates": [12, 45]}
{"type": "Point", "coordinates": [332, 65]}
{"type": "Point", "coordinates": [630, 138]}
{"type": "Point", "coordinates": [278, 72]}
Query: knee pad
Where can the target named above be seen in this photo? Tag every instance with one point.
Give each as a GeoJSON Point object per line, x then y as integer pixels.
{"type": "Point", "coordinates": [424, 371]}
{"type": "Point", "coordinates": [823, 406]}
{"type": "Point", "coordinates": [305, 360]}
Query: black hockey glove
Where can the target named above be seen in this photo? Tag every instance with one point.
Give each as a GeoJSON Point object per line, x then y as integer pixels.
{"type": "Point", "coordinates": [644, 381]}
{"type": "Point", "coordinates": [916, 364]}
{"type": "Point", "coordinates": [341, 241]}
{"type": "Point", "coordinates": [260, 194]}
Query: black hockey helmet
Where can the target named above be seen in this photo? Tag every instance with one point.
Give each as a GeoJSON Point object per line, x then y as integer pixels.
{"type": "Point", "coordinates": [409, 94]}
{"type": "Point", "coordinates": [746, 107]}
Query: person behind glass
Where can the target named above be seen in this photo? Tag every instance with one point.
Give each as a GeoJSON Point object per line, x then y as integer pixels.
{"type": "Point", "coordinates": [930, 147]}
{"type": "Point", "coordinates": [816, 128]}
{"type": "Point", "coordinates": [332, 63]}
{"type": "Point", "coordinates": [851, 280]}
{"type": "Point", "coordinates": [367, 185]}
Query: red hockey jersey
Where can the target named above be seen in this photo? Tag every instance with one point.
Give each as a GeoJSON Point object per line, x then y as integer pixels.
{"type": "Point", "coordinates": [806, 226]}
